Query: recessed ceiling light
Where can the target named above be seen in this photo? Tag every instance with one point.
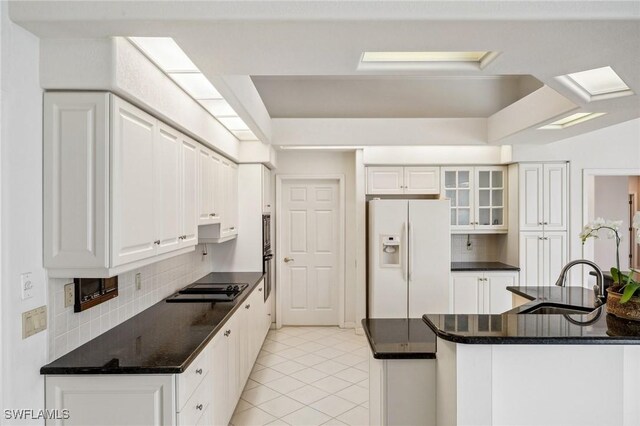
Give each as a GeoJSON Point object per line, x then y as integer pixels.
{"type": "Point", "coordinates": [233, 123]}
{"type": "Point", "coordinates": [423, 56]}
{"type": "Point", "coordinates": [196, 85]}
{"type": "Point", "coordinates": [572, 120]}
{"type": "Point", "coordinates": [166, 53]}
{"type": "Point", "coordinates": [217, 107]}
{"type": "Point", "coordinates": [598, 83]}
{"type": "Point", "coordinates": [426, 60]}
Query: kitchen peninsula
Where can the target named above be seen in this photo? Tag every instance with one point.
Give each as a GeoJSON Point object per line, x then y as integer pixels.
{"type": "Point", "coordinates": [525, 368]}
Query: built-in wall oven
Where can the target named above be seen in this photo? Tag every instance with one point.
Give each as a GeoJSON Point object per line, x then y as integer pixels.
{"type": "Point", "coordinates": [267, 254]}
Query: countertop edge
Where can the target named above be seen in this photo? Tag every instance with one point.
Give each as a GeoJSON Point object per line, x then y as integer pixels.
{"type": "Point", "coordinates": [393, 355]}
{"type": "Point", "coordinates": [46, 370]}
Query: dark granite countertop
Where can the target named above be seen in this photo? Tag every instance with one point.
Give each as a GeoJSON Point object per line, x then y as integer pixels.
{"type": "Point", "coordinates": [482, 266]}
{"type": "Point", "coordinates": [400, 338]}
{"type": "Point", "coordinates": [162, 339]}
{"type": "Point", "coordinates": [511, 327]}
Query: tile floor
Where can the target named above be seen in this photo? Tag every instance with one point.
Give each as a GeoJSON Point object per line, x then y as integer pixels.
{"type": "Point", "coordinates": [308, 376]}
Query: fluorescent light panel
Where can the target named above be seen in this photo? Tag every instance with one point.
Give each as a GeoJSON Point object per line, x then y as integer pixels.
{"type": "Point", "coordinates": [423, 56]}
{"type": "Point", "coordinates": [572, 120]}
{"type": "Point", "coordinates": [165, 53]}
{"type": "Point", "coordinates": [599, 81]}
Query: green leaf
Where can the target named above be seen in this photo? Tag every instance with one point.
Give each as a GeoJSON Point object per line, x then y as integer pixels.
{"type": "Point", "coordinates": [629, 290]}
{"type": "Point", "coordinates": [615, 273]}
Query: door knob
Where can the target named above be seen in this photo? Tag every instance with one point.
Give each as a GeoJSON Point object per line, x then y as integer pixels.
{"type": "Point", "coordinates": [288, 259]}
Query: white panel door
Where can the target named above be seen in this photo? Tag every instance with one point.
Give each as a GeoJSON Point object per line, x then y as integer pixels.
{"type": "Point", "coordinates": [495, 285]}
{"type": "Point", "coordinates": [531, 197]}
{"type": "Point", "coordinates": [555, 256]}
{"type": "Point", "coordinates": [310, 248]}
{"type": "Point", "coordinates": [167, 188]}
{"type": "Point", "coordinates": [189, 192]}
{"type": "Point", "coordinates": [531, 259]}
{"type": "Point", "coordinates": [421, 180]}
{"type": "Point", "coordinates": [388, 282]}
{"type": "Point", "coordinates": [555, 197]}
{"type": "Point", "coordinates": [133, 184]}
{"type": "Point", "coordinates": [429, 257]}
{"type": "Point", "coordinates": [466, 292]}
{"type": "Point", "coordinates": [385, 180]}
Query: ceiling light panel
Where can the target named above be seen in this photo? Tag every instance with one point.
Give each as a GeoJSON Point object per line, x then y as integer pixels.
{"type": "Point", "coordinates": [595, 84]}
{"type": "Point", "coordinates": [218, 107]}
{"type": "Point", "coordinates": [196, 85]}
{"type": "Point", "coordinates": [165, 53]}
{"type": "Point", "coordinates": [245, 135]}
{"type": "Point", "coordinates": [423, 56]}
{"type": "Point", "coordinates": [233, 123]}
{"type": "Point", "coordinates": [572, 120]}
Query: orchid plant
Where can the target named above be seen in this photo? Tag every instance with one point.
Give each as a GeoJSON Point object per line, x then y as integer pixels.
{"type": "Point", "coordinates": [625, 282]}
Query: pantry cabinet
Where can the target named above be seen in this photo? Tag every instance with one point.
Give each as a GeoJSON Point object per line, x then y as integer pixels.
{"type": "Point", "coordinates": [403, 180]}
{"type": "Point", "coordinates": [119, 186]}
{"type": "Point", "coordinates": [543, 196]}
{"type": "Point", "coordinates": [267, 201]}
{"type": "Point", "coordinates": [478, 198]}
{"type": "Point", "coordinates": [542, 257]}
{"type": "Point", "coordinates": [479, 292]}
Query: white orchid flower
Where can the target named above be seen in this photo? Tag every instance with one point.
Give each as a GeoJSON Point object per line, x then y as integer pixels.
{"type": "Point", "coordinates": [598, 222]}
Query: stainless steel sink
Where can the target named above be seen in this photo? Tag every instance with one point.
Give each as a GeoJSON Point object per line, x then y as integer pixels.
{"type": "Point", "coordinates": [557, 309]}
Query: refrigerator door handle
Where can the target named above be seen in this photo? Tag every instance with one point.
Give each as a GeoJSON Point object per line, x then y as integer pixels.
{"type": "Point", "coordinates": [406, 252]}
{"type": "Point", "coordinates": [410, 251]}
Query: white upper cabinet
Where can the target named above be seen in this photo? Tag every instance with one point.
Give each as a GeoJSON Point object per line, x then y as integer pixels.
{"type": "Point", "coordinates": [121, 186]}
{"type": "Point", "coordinates": [421, 180]}
{"type": "Point", "coordinates": [478, 198]}
{"type": "Point", "coordinates": [209, 187]}
{"type": "Point", "coordinates": [267, 202]}
{"type": "Point", "coordinates": [403, 180]}
{"type": "Point", "coordinates": [133, 184]}
{"type": "Point", "coordinates": [543, 197]}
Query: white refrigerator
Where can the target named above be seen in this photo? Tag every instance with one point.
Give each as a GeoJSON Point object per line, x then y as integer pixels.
{"type": "Point", "coordinates": [409, 254]}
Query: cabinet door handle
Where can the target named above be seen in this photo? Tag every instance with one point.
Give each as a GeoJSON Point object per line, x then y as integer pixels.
{"type": "Point", "coordinates": [545, 223]}
{"type": "Point", "coordinates": [156, 242]}
{"type": "Point", "coordinates": [539, 223]}
{"type": "Point", "coordinates": [227, 333]}
{"type": "Point", "coordinates": [247, 306]}
{"type": "Point", "coordinates": [260, 289]}
{"type": "Point", "coordinates": [268, 205]}
{"type": "Point", "coordinates": [199, 371]}
{"type": "Point", "coordinates": [199, 407]}
{"type": "Point", "coordinates": [232, 228]}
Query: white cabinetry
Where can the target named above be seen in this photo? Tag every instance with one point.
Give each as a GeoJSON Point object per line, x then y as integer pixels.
{"type": "Point", "coordinates": [543, 197]}
{"type": "Point", "coordinates": [543, 221]}
{"type": "Point", "coordinates": [267, 201]}
{"type": "Point", "coordinates": [542, 256]}
{"type": "Point", "coordinates": [209, 187]}
{"type": "Point", "coordinates": [479, 292]}
{"type": "Point", "coordinates": [117, 186]}
{"type": "Point", "coordinates": [225, 201]}
{"type": "Point", "coordinates": [403, 180]}
{"type": "Point", "coordinates": [206, 393]}
{"type": "Point", "coordinates": [478, 198]}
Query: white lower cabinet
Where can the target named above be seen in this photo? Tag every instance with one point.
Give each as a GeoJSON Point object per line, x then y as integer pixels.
{"type": "Point", "coordinates": [480, 292]}
{"type": "Point", "coordinates": [206, 393]}
{"type": "Point", "coordinates": [542, 257]}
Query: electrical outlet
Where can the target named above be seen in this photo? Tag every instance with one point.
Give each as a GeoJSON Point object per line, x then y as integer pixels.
{"type": "Point", "coordinates": [26, 285]}
{"type": "Point", "coordinates": [68, 295]}
{"type": "Point", "coordinates": [138, 281]}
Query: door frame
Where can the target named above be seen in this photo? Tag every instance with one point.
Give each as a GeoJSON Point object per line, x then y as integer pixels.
{"type": "Point", "coordinates": [588, 205]}
{"type": "Point", "coordinates": [282, 178]}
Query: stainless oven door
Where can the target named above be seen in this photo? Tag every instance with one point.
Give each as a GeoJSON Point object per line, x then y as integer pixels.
{"type": "Point", "coordinates": [266, 268]}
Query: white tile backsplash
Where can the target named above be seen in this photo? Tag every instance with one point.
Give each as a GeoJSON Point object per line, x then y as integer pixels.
{"type": "Point", "coordinates": [69, 330]}
{"type": "Point", "coordinates": [484, 247]}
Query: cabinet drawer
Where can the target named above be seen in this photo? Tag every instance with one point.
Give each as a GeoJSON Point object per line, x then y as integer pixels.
{"type": "Point", "coordinates": [197, 410]}
{"type": "Point", "coordinates": [188, 381]}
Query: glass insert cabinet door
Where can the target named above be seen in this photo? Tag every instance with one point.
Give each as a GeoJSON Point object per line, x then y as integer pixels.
{"type": "Point", "coordinates": [458, 187]}
{"type": "Point", "coordinates": [490, 197]}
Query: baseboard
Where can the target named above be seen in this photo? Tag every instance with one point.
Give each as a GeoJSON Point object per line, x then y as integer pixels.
{"type": "Point", "coordinates": [349, 324]}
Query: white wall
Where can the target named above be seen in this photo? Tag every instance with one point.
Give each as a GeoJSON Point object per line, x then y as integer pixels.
{"type": "Point", "coordinates": [615, 147]}
{"type": "Point", "coordinates": [611, 199]}
{"type": "Point", "coordinates": [21, 226]}
{"type": "Point", "coordinates": [316, 163]}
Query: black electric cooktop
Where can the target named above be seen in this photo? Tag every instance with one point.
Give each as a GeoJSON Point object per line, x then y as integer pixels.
{"type": "Point", "coordinates": [207, 288]}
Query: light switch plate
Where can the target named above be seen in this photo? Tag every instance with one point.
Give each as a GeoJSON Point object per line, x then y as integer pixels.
{"type": "Point", "coordinates": [26, 285]}
{"type": "Point", "coordinates": [68, 295]}
{"type": "Point", "coordinates": [34, 321]}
